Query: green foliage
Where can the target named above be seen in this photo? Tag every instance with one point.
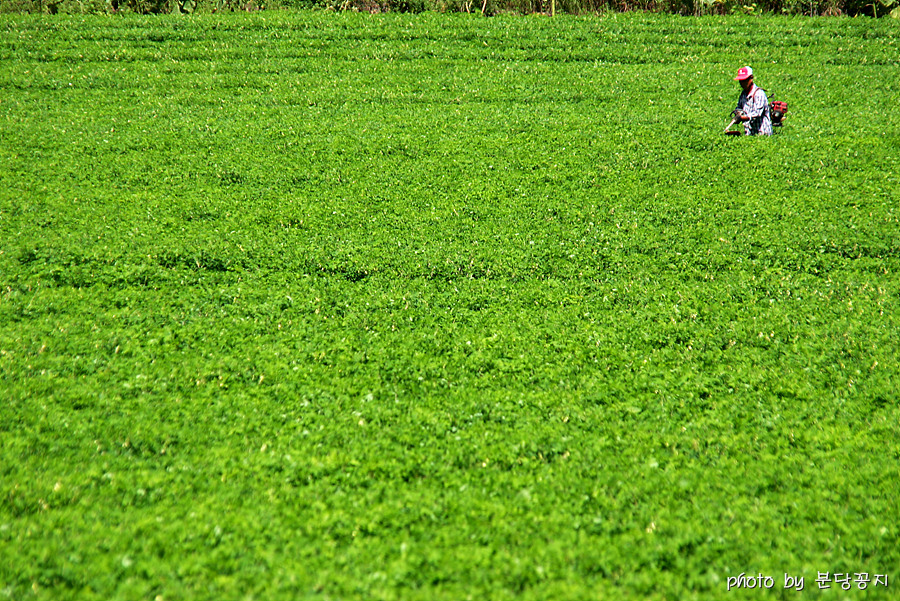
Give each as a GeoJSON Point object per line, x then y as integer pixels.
{"type": "Point", "coordinates": [326, 305]}
{"type": "Point", "coordinates": [875, 8]}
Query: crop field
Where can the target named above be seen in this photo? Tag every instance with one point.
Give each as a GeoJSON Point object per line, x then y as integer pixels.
{"type": "Point", "coordinates": [306, 305]}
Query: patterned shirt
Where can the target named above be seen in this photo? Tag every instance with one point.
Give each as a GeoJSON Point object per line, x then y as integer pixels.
{"type": "Point", "coordinates": [756, 106]}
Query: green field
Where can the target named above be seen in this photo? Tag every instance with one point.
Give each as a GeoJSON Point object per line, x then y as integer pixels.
{"type": "Point", "coordinates": [338, 306]}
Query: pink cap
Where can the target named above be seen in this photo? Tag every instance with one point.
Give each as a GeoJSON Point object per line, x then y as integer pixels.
{"type": "Point", "coordinates": [744, 73]}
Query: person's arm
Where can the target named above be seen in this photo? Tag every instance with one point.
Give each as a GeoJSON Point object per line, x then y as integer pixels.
{"type": "Point", "coordinates": [740, 111]}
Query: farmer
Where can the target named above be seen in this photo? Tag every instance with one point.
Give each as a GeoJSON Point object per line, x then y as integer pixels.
{"type": "Point", "coordinates": [752, 106]}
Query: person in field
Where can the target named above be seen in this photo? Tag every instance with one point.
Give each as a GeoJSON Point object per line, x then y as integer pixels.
{"type": "Point", "coordinates": [753, 105]}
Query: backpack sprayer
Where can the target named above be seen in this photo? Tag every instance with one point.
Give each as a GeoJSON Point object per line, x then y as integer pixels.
{"type": "Point", "coordinates": [777, 110]}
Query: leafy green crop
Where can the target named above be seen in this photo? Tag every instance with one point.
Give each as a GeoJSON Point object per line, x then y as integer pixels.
{"type": "Point", "coordinates": [306, 305]}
